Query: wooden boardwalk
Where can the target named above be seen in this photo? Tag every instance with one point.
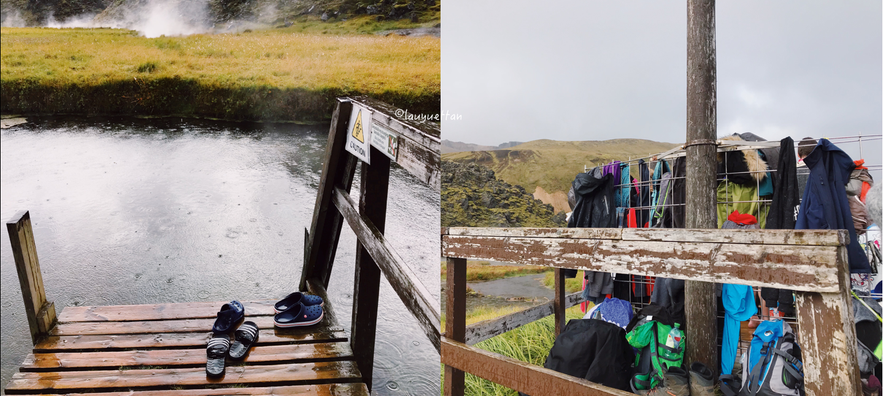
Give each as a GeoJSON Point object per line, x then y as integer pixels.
{"type": "Point", "coordinates": [160, 350]}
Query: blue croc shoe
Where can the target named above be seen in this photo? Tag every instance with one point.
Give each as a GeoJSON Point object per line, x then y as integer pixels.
{"type": "Point", "coordinates": [299, 315]}
{"type": "Point", "coordinates": [230, 314]}
{"type": "Point", "coordinates": [297, 297]}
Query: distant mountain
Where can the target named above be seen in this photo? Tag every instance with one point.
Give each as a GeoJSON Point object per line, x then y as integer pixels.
{"type": "Point", "coordinates": [455, 147]}
{"type": "Point", "coordinates": [472, 196]}
{"type": "Point", "coordinates": [547, 167]}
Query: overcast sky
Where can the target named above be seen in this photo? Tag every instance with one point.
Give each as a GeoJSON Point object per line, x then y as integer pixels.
{"type": "Point", "coordinates": [593, 70]}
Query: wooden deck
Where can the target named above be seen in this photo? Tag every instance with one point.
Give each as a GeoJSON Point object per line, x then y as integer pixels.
{"type": "Point", "coordinates": [160, 350]}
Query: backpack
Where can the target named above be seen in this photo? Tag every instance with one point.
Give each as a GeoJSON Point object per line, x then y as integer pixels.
{"type": "Point", "coordinates": [771, 366]}
{"type": "Point", "coordinates": [648, 333]}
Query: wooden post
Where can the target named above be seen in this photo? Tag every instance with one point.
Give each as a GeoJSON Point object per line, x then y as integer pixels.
{"type": "Point", "coordinates": [700, 302]}
{"type": "Point", "coordinates": [40, 312]}
{"type": "Point", "coordinates": [337, 170]}
{"type": "Point", "coordinates": [372, 206]}
{"type": "Point", "coordinates": [826, 334]}
{"type": "Point", "coordinates": [455, 325]}
{"type": "Point", "coordinates": [560, 304]}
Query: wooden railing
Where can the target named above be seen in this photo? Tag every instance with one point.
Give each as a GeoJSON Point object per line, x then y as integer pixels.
{"type": "Point", "coordinates": [813, 263]}
{"type": "Point", "coordinates": [39, 310]}
{"type": "Point", "coordinates": [419, 153]}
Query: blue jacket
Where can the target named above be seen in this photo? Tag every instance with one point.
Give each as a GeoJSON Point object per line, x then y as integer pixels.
{"type": "Point", "coordinates": [824, 204]}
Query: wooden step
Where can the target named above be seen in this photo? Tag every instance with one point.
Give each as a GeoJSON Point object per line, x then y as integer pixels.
{"type": "Point", "coordinates": [318, 390]}
{"type": "Point", "coordinates": [168, 358]}
{"type": "Point", "coordinates": [192, 310]}
{"type": "Point", "coordinates": [167, 379]}
{"type": "Point", "coordinates": [180, 340]}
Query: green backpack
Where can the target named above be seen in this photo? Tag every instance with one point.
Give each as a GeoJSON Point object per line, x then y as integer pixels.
{"type": "Point", "coordinates": [654, 358]}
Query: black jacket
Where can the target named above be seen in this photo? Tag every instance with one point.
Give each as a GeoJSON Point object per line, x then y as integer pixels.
{"type": "Point", "coordinates": [594, 200]}
{"type": "Point", "coordinates": [825, 205]}
{"type": "Point", "coordinates": [595, 350]}
{"type": "Point", "coordinates": [786, 201]}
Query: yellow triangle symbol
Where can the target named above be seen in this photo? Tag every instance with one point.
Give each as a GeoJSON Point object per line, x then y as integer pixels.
{"type": "Point", "coordinates": [357, 129]}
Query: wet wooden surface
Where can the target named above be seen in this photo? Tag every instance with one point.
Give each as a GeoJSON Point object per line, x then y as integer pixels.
{"type": "Point", "coordinates": [160, 350]}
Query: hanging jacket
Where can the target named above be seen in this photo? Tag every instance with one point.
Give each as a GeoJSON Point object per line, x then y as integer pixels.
{"type": "Point", "coordinates": [679, 193]}
{"type": "Point", "coordinates": [824, 204]}
{"type": "Point", "coordinates": [594, 203]}
{"type": "Point", "coordinates": [786, 201]}
{"type": "Point", "coordinates": [743, 198]}
{"type": "Point", "coordinates": [747, 167]}
{"type": "Point", "coordinates": [738, 301]}
{"type": "Point", "coordinates": [860, 181]}
{"type": "Point", "coordinates": [660, 215]}
{"type": "Point", "coordinates": [643, 194]}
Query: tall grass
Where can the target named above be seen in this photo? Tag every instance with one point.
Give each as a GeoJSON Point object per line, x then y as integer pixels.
{"type": "Point", "coordinates": [264, 75]}
{"type": "Point", "coordinates": [529, 343]}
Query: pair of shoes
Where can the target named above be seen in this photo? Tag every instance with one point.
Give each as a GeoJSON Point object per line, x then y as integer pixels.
{"type": "Point", "coordinates": [219, 346]}
{"type": "Point", "coordinates": [297, 297]}
{"type": "Point", "coordinates": [298, 309]}
{"type": "Point", "coordinates": [701, 380]}
{"type": "Point", "coordinates": [676, 382]}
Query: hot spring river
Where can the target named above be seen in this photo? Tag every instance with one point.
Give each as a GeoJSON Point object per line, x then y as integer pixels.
{"type": "Point", "coordinates": [156, 211]}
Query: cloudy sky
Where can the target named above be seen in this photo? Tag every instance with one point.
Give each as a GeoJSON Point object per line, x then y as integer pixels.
{"type": "Point", "coordinates": [592, 70]}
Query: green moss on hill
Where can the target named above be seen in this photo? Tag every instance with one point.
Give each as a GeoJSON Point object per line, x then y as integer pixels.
{"type": "Point", "coordinates": [472, 196]}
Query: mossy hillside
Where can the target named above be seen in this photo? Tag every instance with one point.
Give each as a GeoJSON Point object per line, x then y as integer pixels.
{"type": "Point", "coordinates": [471, 196]}
{"type": "Point", "coordinates": [552, 165]}
{"type": "Point", "coordinates": [263, 75]}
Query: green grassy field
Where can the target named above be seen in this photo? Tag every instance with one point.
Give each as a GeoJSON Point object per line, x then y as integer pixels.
{"type": "Point", "coordinates": [271, 75]}
{"type": "Point", "coordinates": [551, 165]}
{"type": "Point", "coordinates": [478, 271]}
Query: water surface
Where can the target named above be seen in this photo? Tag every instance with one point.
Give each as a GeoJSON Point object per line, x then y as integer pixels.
{"type": "Point", "coordinates": [154, 211]}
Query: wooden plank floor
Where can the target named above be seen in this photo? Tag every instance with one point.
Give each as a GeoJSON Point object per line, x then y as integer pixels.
{"type": "Point", "coordinates": [160, 350]}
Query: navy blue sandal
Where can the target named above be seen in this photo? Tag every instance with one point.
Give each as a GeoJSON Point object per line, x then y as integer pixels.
{"type": "Point", "coordinates": [299, 315]}
{"type": "Point", "coordinates": [230, 314]}
{"type": "Point", "coordinates": [297, 297]}
{"type": "Point", "coordinates": [216, 353]}
{"type": "Point", "coordinates": [245, 337]}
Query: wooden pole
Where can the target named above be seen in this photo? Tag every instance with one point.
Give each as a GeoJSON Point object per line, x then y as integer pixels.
{"type": "Point", "coordinates": [559, 302]}
{"type": "Point", "coordinates": [40, 312]}
{"type": "Point", "coordinates": [455, 324]}
{"type": "Point", "coordinates": [372, 206]}
{"type": "Point", "coordinates": [337, 171]}
{"type": "Point", "coordinates": [700, 302]}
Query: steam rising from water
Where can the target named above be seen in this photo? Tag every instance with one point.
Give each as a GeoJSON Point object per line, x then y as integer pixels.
{"type": "Point", "coordinates": [152, 18]}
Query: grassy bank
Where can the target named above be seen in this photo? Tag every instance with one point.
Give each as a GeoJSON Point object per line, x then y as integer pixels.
{"type": "Point", "coordinates": [529, 343]}
{"type": "Point", "coordinates": [479, 271]}
{"type": "Point", "coordinates": [272, 75]}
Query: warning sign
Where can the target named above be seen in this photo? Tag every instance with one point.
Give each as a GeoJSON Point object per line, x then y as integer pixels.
{"type": "Point", "coordinates": [359, 137]}
{"type": "Point", "coordinates": [385, 140]}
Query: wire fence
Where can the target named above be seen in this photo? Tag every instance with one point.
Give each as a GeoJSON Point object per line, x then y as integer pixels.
{"type": "Point", "coordinates": [644, 199]}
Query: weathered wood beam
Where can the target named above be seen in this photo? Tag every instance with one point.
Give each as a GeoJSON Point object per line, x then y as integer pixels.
{"type": "Point", "coordinates": [419, 150]}
{"type": "Point", "coordinates": [40, 312]}
{"type": "Point", "coordinates": [338, 170]}
{"type": "Point", "coordinates": [827, 338]}
{"type": "Point", "coordinates": [455, 323]}
{"type": "Point", "coordinates": [401, 277]}
{"type": "Point", "coordinates": [366, 291]}
{"type": "Point", "coordinates": [518, 375]}
{"type": "Point", "coordinates": [478, 332]}
{"type": "Point", "coordinates": [746, 237]}
{"type": "Point", "coordinates": [795, 267]}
